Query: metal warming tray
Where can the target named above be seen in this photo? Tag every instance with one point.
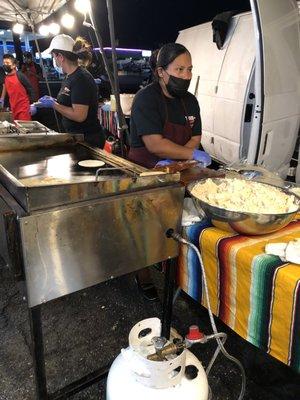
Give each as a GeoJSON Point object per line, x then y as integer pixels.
{"type": "Point", "coordinates": [26, 127]}
{"type": "Point", "coordinates": [68, 228]}
{"type": "Point", "coordinates": [6, 128]}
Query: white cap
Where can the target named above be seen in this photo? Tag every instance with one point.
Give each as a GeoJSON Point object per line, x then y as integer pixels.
{"type": "Point", "coordinates": [60, 42]}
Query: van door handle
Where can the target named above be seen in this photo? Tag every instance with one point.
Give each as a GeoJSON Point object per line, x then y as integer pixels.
{"type": "Point", "coordinates": [248, 112]}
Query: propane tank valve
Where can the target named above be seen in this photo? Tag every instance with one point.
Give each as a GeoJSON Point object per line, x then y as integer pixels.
{"type": "Point", "coordinates": [159, 342]}
{"type": "Point", "coordinates": [172, 348]}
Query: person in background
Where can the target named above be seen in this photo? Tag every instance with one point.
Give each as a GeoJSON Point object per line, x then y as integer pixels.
{"type": "Point", "coordinates": [33, 73]}
{"type": "Point", "coordinates": [165, 122]}
{"type": "Point", "coordinates": [84, 52]}
{"type": "Point", "coordinates": [18, 89]}
{"type": "Point", "coordinates": [77, 100]}
{"type": "Point", "coordinates": [2, 78]}
{"type": "Point", "coordinates": [85, 58]}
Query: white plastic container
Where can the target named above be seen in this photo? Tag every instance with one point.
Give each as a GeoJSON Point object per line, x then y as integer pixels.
{"type": "Point", "coordinates": [126, 100]}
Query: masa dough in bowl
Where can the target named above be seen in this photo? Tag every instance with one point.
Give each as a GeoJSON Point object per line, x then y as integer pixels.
{"type": "Point", "coordinates": [245, 196]}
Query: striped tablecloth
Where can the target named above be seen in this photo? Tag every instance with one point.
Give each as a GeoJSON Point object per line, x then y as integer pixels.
{"type": "Point", "coordinates": [255, 294]}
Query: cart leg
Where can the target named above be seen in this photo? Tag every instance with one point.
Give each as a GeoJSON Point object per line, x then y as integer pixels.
{"type": "Point", "coordinates": [38, 352]}
{"type": "Point", "coordinates": [170, 275]}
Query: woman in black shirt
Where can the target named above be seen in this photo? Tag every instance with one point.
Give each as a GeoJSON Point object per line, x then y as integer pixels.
{"type": "Point", "coordinates": [77, 100]}
{"type": "Point", "coordinates": [165, 118]}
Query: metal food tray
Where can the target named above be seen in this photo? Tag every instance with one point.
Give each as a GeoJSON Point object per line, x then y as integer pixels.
{"type": "Point", "coordinates": [8, 130]}
{"type": "Point", "coordinates": [26, 127]}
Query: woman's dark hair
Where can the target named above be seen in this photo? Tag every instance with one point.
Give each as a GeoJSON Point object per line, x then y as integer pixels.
{"type": "Point", "coordinates": [81, 50]}
{"type": "Point", "coordinates": [168, 53]}
{"type": "Point", "coordinates": [67, 54]}
{"type": "Point", "coordinates": [153, 60]}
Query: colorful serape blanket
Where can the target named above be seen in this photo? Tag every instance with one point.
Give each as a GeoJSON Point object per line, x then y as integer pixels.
{"type": "Point", "coordinates": [255, 294]}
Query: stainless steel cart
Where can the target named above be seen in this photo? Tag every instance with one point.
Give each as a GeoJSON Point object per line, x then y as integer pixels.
{"type": "Point", "coordinates": [68, 227]}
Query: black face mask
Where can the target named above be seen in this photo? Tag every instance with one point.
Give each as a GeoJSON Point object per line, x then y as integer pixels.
{"type": "Point", "coordinates": [177, 87]}
{"type": "Point", "coordinates": [7, 68]}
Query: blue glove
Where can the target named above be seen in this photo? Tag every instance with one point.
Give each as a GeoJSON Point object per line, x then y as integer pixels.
{"type": "Point", "coordinates": [163, 163]}
{"type": "Point", "coordinates": [45, 102]}
{"type": "Point", "coordinates": [202, 157]}
{"type": "Point", "coordinates": [32, 109]}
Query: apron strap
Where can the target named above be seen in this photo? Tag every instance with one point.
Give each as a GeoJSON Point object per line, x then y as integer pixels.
{"type": "Point", "coordinates": [184, 108]}
{"type": "Point", "coordinates": [166, 107]}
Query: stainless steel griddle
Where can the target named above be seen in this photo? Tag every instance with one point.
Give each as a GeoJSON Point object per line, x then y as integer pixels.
{"type": "Point", "coordinates": [76, 226]}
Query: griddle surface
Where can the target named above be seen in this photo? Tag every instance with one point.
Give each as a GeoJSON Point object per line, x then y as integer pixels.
{"type": "Point", "coordinates": [53, 165]}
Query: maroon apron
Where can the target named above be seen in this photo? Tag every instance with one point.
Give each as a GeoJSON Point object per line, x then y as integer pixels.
{"type": "Point", "coordinates": [179, 134]}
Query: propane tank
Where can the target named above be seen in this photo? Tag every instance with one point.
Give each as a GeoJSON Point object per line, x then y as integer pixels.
{"type": "Point", "coordinates": [139, 372]}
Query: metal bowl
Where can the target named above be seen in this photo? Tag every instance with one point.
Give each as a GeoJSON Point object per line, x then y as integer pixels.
{"type": "Point", "coordinates": [243, 222]}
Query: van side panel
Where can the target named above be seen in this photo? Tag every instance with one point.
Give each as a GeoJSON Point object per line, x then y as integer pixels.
{"type": "Point", "coordinates": [281, 52]}
{"type": "Point", "coordinates": [207, 64]}
{"type": "Point", "coordinates": [232, 90]}
{"type": "Point", "coordinates": [224, 76]}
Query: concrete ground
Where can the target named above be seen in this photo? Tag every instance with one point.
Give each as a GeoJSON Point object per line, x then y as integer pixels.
{"type": "Point", "coordinates": [87, 329]}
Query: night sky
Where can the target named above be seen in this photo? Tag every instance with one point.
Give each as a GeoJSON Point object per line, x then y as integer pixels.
{"type": "Point", "coordinates": [148, 24]}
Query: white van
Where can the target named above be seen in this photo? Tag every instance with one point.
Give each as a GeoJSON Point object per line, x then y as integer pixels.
{"type": "Point", "coordinates": [249, 90]}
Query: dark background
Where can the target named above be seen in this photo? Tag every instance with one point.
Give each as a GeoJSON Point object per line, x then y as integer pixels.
{"type": "Point", "coordinates": [148, 24]}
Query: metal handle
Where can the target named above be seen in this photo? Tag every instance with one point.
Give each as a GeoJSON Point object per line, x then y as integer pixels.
{"type": "Point", "coordinates": [110, 169]}
{"type": "Point", "coordinates": [103, 169]}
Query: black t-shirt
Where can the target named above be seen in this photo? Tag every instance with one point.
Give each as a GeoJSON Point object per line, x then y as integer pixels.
{"type": "Point", "coordinates": [80, 88]}
{"type": "Point", "coordinates": [148, 113]}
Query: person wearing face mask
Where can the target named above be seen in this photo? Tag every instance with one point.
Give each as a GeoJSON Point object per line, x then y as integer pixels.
{"type": "Point", "coordinates": [165, 119]}
{"type": "Point", "coordinates": [33, 73]}
{"type": "Point", "coordinates": [77, 100]}
{"type": "Point", "coordinates": [17, 87]}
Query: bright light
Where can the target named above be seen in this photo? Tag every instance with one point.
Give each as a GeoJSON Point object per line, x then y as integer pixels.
{"type": "Point", "coordinates": [67, 21]}
{"type": "Point", "coordinates": [146, 53]}
{"type": "Point", "coordinates": [1, 32]}
{"type": "Point", "coordinates": [83, 6]}
{"type": "Point", "coordinates": [18, 28]}
{"type": "Point", "coordinates": [54, 28]}
{"type": "Point", "coordinates": [43, 56]}
{"type": "Point", "coordinates": [44, 30]}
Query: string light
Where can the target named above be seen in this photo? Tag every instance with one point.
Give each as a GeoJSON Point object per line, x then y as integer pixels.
{"type": "Point", "coordinates": [54, 28]}
{"type": "Point", "coordinates": [18, 28]}
{"type": "Point", "coordinates": [83, 6]}
{"type": "Point", "coordinates": [67, 21]}
{"type": "Point", "coordinates": [44, 30]}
